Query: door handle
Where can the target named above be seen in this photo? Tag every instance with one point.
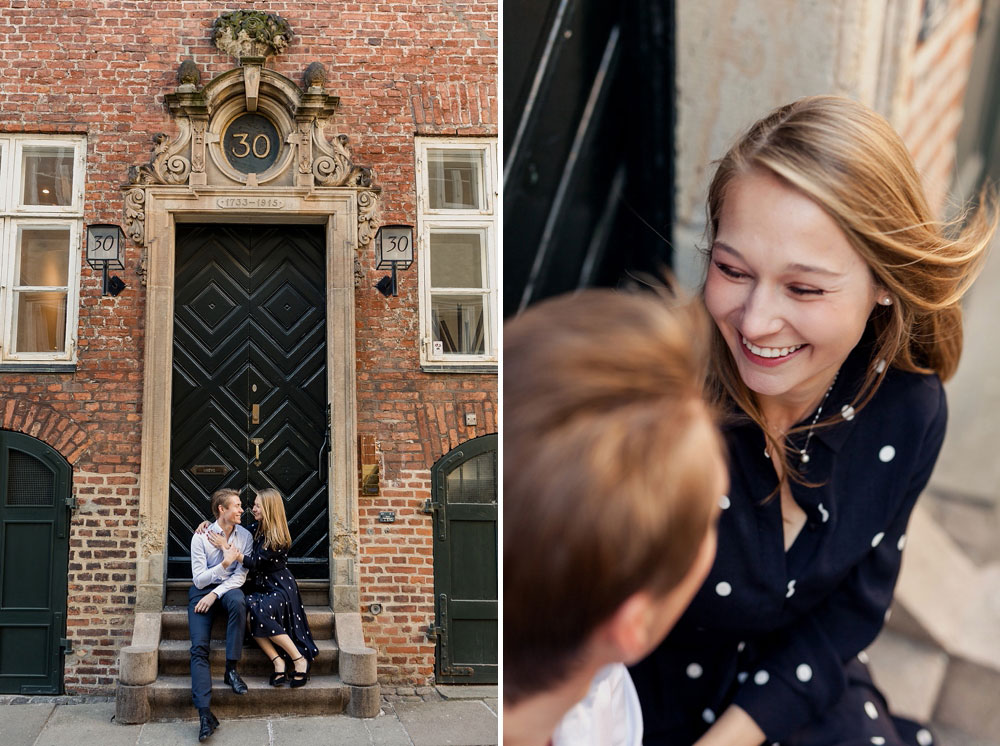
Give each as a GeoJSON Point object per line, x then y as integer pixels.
{"type": "Point", "coordinates": [256, 445]}
{"type": "Point", "coordinates": [255, 414]}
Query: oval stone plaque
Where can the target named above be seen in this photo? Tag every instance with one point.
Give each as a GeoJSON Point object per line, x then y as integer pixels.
{"type": "Point", "coordinates": [251, 143]}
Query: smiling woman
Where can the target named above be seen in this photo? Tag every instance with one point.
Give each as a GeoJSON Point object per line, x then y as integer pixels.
{"type": "Point", "coordinates": [835, 295]}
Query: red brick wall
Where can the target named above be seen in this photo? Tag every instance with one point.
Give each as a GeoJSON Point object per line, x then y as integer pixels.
{"type": "Point", "coordinates": [101, 68]}
{"type": "Point", "coordinates": [938, 76]}
{"type": "Point", "coordinates": [101, 585]}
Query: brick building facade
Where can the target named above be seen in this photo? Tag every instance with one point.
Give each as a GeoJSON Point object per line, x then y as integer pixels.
{"type": "Point", "coordinates": [87, 86]}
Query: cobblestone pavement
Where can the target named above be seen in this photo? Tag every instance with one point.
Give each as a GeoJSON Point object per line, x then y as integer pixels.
{"type": "Point", "coordinates": [424, 716]}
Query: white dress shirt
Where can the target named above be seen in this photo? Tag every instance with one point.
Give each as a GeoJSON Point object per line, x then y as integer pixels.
{"type": "Point", "coordinates": [609, 715]}
{"type": "Point", "coordinates": [206, 560]}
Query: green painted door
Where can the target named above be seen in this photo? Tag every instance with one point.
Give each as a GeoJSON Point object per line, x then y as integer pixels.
{"type": "Point", "coordinates": [35, 482]}
{"type": "Point", "coordinates": [464, 501]}
{"type": "Point", "coordinates": [249, 402]}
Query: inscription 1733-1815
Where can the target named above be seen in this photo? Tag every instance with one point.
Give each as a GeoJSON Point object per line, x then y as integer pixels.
{"type": "Point", "coordinates": [251, 143]}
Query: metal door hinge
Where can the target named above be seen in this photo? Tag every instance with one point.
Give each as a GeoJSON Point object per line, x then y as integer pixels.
{"type": "Point", "coordinates": [434, 632]}
{"type": "Point", "coordinates": [71, 502]}
{"type": "Point", "coordinates": [65, 645]}
{"type": "Point", "coordinates": [429, 507]}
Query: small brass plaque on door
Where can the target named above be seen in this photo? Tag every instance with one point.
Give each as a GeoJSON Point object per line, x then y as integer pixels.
{"type": "Point", "coordinates": [209, 470]}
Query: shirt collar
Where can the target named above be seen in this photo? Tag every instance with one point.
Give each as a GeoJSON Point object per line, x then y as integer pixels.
{"type": "Point", "coordinates": [844, 394]}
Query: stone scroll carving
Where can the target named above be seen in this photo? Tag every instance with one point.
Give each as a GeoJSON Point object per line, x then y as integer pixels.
{"type": "Point", "coordinates": [168, 165]}
{"type": "Point", "coordinates": [368, 216]}
{"type": "Point", "coordinates": [196, 157]}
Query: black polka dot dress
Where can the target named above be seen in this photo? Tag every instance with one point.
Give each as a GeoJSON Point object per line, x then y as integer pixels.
{"type": "Point", "coordinates": [273, 599]}
{"type": "Point", "coordinates": [782, 634]}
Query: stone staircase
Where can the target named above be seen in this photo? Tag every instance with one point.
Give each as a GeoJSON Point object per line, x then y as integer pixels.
{"type": "Point", "coordinates": [938, 660]}
{"type": "Point", "coordinates": [155, 679]}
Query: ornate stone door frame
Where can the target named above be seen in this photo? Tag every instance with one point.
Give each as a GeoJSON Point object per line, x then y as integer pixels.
{"type": "Point", "coordinates": [313, 180]}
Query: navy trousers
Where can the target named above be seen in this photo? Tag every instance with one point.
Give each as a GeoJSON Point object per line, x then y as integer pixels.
{"type": "Point", "coordinates": [234, 605]}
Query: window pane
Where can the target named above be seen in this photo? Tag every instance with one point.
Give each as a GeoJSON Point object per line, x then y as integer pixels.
{"type": "Point", "coordinates": [456, 260]}
{"type": "Point", "coordinates": [457, 322]}
{"type": "Point", "coordinates": [41, 322]}
{"type": "Point", "coordinates": [473, 482]}
{"type": "Point", "coordinates": [44, 256]}
{"type": "Point", "coordinates": [48, 176]}
{"type": "Point", "coordinates": [454, 178]}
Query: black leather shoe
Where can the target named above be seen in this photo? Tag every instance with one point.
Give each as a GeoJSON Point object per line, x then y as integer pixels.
{"type": "Point", "coordinates": [207, 726]}
{"type": "Point", "coordinates": [233, 679]}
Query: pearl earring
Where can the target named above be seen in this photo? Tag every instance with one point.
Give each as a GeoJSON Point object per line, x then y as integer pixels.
{"type": "Point", "coordinates": [886, 301]}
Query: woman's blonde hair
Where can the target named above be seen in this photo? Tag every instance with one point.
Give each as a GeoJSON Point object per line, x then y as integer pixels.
{"type": "Point", "coordinates": [850, 161]}
{"type": "Point", "coordinates": [273, 524]}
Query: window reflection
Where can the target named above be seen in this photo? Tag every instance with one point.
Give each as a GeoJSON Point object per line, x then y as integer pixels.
{"type": "Point", "coordinates": [47, 176]}
{"type": "Point", "coordinates": [454, 178]}
{"type": "Point", "coordinates": [41, 321]}
{"type": "Point", "coordinates": [44, 257]}
{"type": "Point", "coordinates": [457, 322]}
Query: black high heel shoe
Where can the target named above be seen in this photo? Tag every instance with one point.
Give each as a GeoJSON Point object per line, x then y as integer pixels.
{"type": "Point", "coordinates": [278, 678]}
{"type": "Point", "coordinates": [299, 678]}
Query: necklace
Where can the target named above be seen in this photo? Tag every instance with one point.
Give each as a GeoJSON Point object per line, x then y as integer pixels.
{"type": "Point", "coordinates": [804, 453]}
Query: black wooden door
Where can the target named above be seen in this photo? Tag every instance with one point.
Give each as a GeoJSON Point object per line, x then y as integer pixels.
{"type": "Point", "coordinates": [249, 381]}
{"type": "Point", "coordinates": [464, 501]}
{"type": "Point", "coordinates": [34, 555]}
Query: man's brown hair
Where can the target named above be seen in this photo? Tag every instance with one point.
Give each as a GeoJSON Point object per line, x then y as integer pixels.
{"type": "Point", "coordinates": [608, 478]}
{"type": "Point", "coordinates": [220, 499]}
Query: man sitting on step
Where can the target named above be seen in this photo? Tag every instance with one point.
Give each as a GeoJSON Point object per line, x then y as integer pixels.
{"type": "Point", "coordinates": [217, 587]}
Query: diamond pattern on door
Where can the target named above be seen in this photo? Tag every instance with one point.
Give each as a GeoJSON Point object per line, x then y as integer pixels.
{"type": "Point", "coordinates": [250, 329]}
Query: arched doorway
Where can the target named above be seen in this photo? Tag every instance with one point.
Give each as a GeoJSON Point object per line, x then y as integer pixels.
{"type": "Point", "coordinates": [464, 499]}
{"type": "Point", "coordinates": [35, 484]}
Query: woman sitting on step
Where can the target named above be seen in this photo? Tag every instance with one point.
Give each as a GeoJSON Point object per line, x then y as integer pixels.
{"type": "Point", "coordinates": [277, 618]}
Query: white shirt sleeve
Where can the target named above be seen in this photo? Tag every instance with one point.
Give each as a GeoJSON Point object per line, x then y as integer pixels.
{"type": "Point", "coordinates": [243, 541]}
{"type": "Point", "coordinates": [201, 574]}
{"type": "Point", "coordinates": [609, 715]}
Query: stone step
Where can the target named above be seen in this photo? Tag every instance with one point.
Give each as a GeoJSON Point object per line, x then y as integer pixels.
{"type": "Point", "coordinates": [175, 624]}
{"type": "Point", "coordinates": [170, 697]}
{"type": "Point", "coordinates": [909, 672]}
{"type": "Point", "coordinates": [175, 658]}
{"type": "Point", "coordinates": [972, 680]}
{"type": "Point", "coordinates": [313, 592]}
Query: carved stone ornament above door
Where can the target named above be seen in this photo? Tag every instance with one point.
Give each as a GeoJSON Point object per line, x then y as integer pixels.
{"type": "Point", "coordinates": [251, 127]}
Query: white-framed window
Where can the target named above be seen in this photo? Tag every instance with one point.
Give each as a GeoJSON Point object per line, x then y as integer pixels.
{"type": "Point", "coordinates": [457, 252]}
{"type": "Point", "coordinates": [41, 223]}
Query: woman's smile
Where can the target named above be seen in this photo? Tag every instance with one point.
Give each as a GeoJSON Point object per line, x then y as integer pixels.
{"type": "Point", "coordinates": [788, 292]}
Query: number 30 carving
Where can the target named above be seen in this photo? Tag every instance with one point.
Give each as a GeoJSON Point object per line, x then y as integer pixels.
{"type": "Point", "coordinates": [248, 148]}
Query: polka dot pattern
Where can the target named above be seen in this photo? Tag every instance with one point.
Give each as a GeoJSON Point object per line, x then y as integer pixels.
{"type": "Point", "coordinates": [847, 412]}
{"type": "Point", "coordinates": [742, 676]}
{"type": "Point", "coordinates": [924, 737]}
{"type": "Point", "coordinates": [871, 710]}
{"type": "Point", "coordinates": [723, 588]}
{"type": "Point", "coordinates": [886, 454]}
{"type": "Point", "coordinates": [824, 514]}
{"type": "Point", "coordinates": [741, 647]}
{"type": "Point", "coordinates": [804, 672]}
{"type": "Point", "coordinates": [901, 543]}
{"type": "Point", "coordinates": [708, 716]}
{"type": "Point", "coordinates": [877, 539]}
{"type": "Point", "coordinates": [724, 502]}
{"type": "Point", "coordinates": [880, 366]}
{"type": "Point", "coordinates": [863, 657]}
{"type": "Point", "coordinates": [791, 589]}
{"type": "Point", "coordinates": [761, 677]}
{"type": "Point", "coordinates": [878, 740]}
{"type": "Point", "coordinates": [694, 671]}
